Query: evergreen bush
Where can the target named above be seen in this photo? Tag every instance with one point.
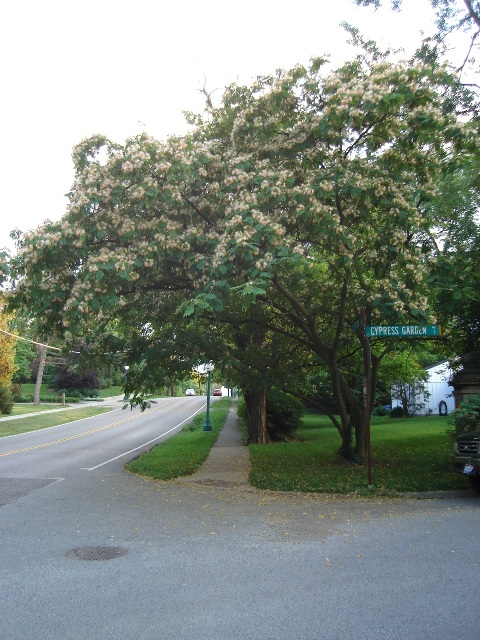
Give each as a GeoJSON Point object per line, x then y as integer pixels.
{"type": "Point", "coordinates": [6, 400]}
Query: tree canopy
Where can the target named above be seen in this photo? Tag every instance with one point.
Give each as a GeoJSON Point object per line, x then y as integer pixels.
{"type": "Point", "coordinates": [299, 203]}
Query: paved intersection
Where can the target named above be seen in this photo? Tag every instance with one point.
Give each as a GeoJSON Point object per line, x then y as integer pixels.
{"type": "Point", "coordinates": [212, 558]}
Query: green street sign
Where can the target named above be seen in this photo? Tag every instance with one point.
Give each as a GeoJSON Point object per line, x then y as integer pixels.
{"type": "Point", "coordinates": [403, 331]}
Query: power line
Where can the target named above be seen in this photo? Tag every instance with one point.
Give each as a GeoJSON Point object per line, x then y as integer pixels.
{"type": "Point", "coordinates": [40, 344]}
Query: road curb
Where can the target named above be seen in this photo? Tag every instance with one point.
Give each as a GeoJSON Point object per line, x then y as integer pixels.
{"type": "Point", "coordinates": [438, 495]}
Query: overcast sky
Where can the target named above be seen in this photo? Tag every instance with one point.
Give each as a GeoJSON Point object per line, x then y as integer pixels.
{"type": "Point", "coordinates": [73, 68]}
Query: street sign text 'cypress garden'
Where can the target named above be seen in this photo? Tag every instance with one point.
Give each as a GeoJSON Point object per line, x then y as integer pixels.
{"type": "Point", "coordinates": [403, 331]}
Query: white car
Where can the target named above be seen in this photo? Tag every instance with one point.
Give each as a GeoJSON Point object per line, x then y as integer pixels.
{"type": "Point", "coordinates": [190, 392]}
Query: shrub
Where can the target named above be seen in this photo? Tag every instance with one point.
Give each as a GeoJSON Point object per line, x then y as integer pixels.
{"type": "Point", "coordinates": [6, 400]}
{"type": "Point", "coordinates": [89, 393]}
{"type": "Point", "coordinates": [105, 383]}
{"type": "Point", "coordinates": [397, 412]}
{"type": "Point", "coordinates": [242, 418]}
{"type": "Point", "coordinates": [381, 411]}
{"type": "Point", "coordinates": [73, 393]}
{"type": "Point", "coordinates": [66, 380]}
{"type": "Point", "coordinates": [118, 378]}
{"type": "Point", "coordinates": [16, 390]}
{"type": "Point", "coordinates": [284, 415]}
{"type": "Point", "coordinates": [78, 393]}
{"type": "Point", "coordinates": [467, 416]}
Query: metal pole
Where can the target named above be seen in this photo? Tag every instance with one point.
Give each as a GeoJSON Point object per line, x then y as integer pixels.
{"type": "Point", "coordinates": [367, 369]}
{"type": "Point", "coordinates": [125, 398]}
{"type": "Point", "coordinates": [367, 408]}
{"type": "Point", "coordinates": [207, 426]}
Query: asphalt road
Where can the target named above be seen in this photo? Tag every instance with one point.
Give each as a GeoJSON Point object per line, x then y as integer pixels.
{"type": "Point", "coordinates": [91, 552]}
{"type": "Point", "coordinates": [86, 445]}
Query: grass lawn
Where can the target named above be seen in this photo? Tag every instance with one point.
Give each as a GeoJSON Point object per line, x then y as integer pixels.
{"type": "Point", "coordinates": [407, 455]}
{"type": "Point", "coordinates": [27, 407]}
{"type": "Point", "coordinates": [110, 392]}
{"type": "Point", "coordinates": [45, 420]}
{"type": "Point", "coordinates": [28, 389]}
{"type": "Point", "coordinates": [185, 453]}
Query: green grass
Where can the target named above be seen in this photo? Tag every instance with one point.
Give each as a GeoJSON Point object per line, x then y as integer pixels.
{"type": "Point", "coordinates": [28, 390]}
{"type": "Point", "coordinates": [21, 409]}
{"type": "Point", "coordinates": [407, 455]}
{"type": "Point", "coordinates": [185, 453]}
{"type": "Point", "coordinates": [45, 420]}
{"type": "Point", "coordinates": [110, 392]}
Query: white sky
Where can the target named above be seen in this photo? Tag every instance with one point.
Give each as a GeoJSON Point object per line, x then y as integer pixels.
{"type": "Point", "coordinates": [72, 68]}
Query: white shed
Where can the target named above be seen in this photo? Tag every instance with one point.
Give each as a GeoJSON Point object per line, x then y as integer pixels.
{"type": "Point", "coordinates": [439, 398]}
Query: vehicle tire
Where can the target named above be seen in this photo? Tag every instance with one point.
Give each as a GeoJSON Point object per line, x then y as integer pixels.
{"type": "Point", "coordinates": [475, 484]}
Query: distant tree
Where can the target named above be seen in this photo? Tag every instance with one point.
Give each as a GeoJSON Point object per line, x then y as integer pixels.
{"type": "Point", "coordinates": [4, 266]}
{"type": "Point", "coordinates": [7, 359]}
{"type": "Point", "coordinates": [25, 352]}
{"type": "Point", "coordinates": [406, 377]}
{"type": "Point", "coordinates": [24, 358]}
{"type": "Point", "coordinates": [7, 346]}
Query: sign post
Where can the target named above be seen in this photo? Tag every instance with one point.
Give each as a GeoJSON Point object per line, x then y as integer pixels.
{"type": "Point", "coordinates": [365, 332]}
{"type": "Point", "coordinates": [367, 372]}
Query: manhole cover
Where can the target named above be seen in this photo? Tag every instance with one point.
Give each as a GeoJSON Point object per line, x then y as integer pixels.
{"type": "Point", "coordinates": [96, 553]}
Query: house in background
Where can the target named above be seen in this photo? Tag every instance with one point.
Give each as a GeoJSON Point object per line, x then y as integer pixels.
{"type": "Point", "coordinates": [438, 397]}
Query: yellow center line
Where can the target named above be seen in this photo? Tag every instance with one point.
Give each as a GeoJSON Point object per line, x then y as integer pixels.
{"type": "Point", "coordinates": [84, 433]}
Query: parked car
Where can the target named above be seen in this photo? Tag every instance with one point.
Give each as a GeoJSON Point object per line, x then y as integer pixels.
{"type": "Point", "coordinates": [466, 456]}
{"type": "Point", "coordinates": [190, 392]}
{"type": "Point", "coordinates": [217, 392]}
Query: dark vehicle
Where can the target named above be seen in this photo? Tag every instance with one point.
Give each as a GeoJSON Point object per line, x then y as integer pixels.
{"type": "Point", "coordinates": [217, 392]}
{"type": "Point", "coordinates": [466, 458]}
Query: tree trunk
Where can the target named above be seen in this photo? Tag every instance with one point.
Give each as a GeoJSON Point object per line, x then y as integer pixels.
{"type": "Point", "coordinates": [360, 440]}
{"type": "Point", "coordinates": [256, 405]}
{"type": "Point", "coordinates": [349, 412]}
{"type": "Point", "coordinates": [346, 451]}
{"type": "Point", "coordinates": [42, 356]}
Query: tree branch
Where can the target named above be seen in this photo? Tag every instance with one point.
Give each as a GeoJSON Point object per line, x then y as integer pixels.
{"type": "Point", "coordinates": [197, 210]}
{"type": "Point", "coordinates": [467, 57]}
{"type": "Point", "coordinates": [472, 13]}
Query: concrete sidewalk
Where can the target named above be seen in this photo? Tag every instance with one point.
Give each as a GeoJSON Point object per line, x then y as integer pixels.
{"type": "Point", "coordinates": [228, 463]}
